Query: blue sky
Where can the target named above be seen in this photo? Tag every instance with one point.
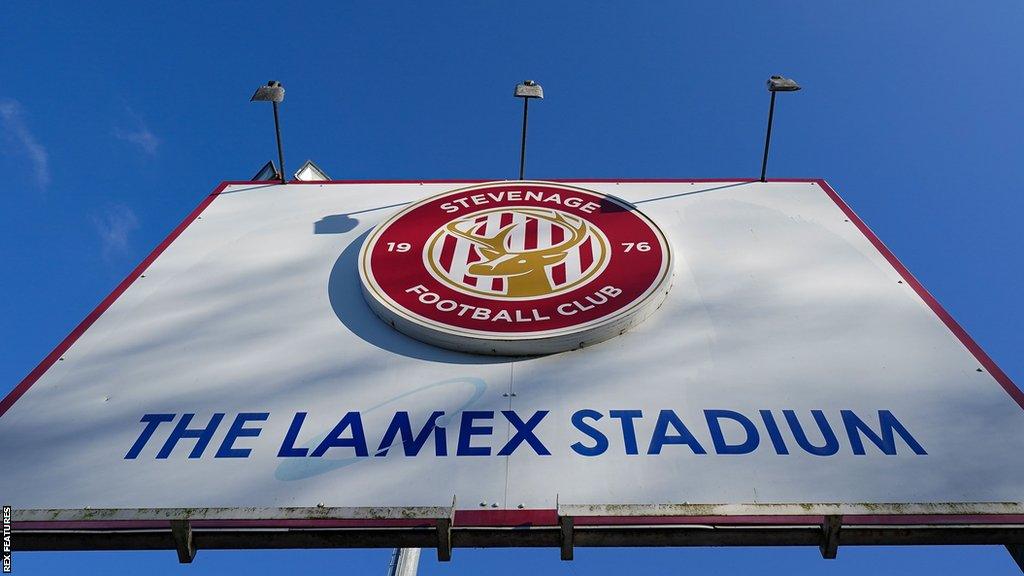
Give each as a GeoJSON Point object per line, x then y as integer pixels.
{"type": "Point", "coordinates": [116, 119]}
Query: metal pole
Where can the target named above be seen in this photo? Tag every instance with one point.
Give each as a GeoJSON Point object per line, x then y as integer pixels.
{"type": "Point", "coordinates": [404, 562]}
{"type": "Point", "coordinates": [768, 137]}
{"type": "Point", "coordinates": [522, 147]}
{"type": "Point", "coordinates": [280, 151]}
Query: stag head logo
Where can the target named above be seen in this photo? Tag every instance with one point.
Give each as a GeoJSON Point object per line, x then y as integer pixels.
{"type": "Point", "coordinates": [517, 252]}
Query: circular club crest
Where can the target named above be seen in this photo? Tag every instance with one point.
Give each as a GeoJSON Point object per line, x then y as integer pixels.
{"type": "Point", "coordinates": [515, 268]}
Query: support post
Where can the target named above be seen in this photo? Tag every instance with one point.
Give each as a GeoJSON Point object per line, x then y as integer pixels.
{"type": "Point", "coordinates": [830, 536]}
{"type": "Point", "coordinates": [444, 535]}
{"type": "Point", "coordinates": [522, 144]}
{"type": "Point", "coordinates": [181, 530]}
{"type": "Point", "coordinates": [565, 523]}
{"type": "Point", "coordinates": [444, 540]}
{"type": "Point", "coordinates": [280, 150]}
{"type": "Point", "coordinates": [768, 138]}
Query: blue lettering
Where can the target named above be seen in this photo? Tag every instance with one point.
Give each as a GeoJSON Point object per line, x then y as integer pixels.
{"type": "Point", "coordinates": [831, 444]}
{"type": "Point", "coordinates": [715, 427]}
{"type": "Point", "coordinates": [773, 432]}
{"type": "Point", "coordinates": [524, 432]}
{"type": "Point", "coordinates": [887, 441]}
{"type": "Point", "coordinates": [682, 436]}
{"type": "Point", "coordinates": [288, 449]}
{"type": "Point", "coordinates": [669, 429]}
{"type": "Point", "coordinates": [237, 430]}
{"type": "Point", "coordinates": [181, 430]}
{"type": "Point", "coordinates": [401, 426]}
{"type": "Point", "coordinates": [626, 418]}
{"type": "Point", "coordinates": [600, 440]}
{"type": "Point", "coordinates": [356, 441]}
{"type": "Point", "coordinates": [152, 421]}
{"type": "Point", "coordinates": [467, 431]}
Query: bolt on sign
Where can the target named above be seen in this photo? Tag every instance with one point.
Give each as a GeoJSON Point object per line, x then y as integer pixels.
{"type": "Point", "coordinates": [450, 359]}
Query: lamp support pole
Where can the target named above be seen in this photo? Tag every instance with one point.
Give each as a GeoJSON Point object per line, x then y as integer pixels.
{"type": "Point", "coordinates": [522, 145]}
{"type": "Point", "coordinates": [280, 151]}
{"type": "Point", "coordinates": [768, 137]}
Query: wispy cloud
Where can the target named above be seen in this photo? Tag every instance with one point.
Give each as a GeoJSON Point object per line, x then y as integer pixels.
{"type": "Point", "coordinates": [114, 226]}
{"type": "Point", "coordinates": [13, 119]}
{"type": "Point", "coordinates": [140, 134]}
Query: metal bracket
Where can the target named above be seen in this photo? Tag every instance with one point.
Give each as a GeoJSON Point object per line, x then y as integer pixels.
{"type": "Point", "coordinates": [565, 523]}
{"type": "Point", "coordinates": [1017, 553]}
{"type": "Point", "coordinates": [444, 540]}
{"type": "Point", "coordinates": [830, 536]}
{"type": "Point", "coordinates": [181, 530]}
{"type": "Point", "coordinates": [444, 535]}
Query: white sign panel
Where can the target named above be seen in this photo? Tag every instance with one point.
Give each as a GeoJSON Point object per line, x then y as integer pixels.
{"type": "Point", "coordinates": [792, 361]}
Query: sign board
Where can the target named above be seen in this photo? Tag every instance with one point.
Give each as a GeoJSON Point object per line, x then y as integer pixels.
{"type": "Point", "coordinates": [759, 358]}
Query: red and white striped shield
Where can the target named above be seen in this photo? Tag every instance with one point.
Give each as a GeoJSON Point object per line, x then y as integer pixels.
{"type": "Point", "coordinates": [532, 231]}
